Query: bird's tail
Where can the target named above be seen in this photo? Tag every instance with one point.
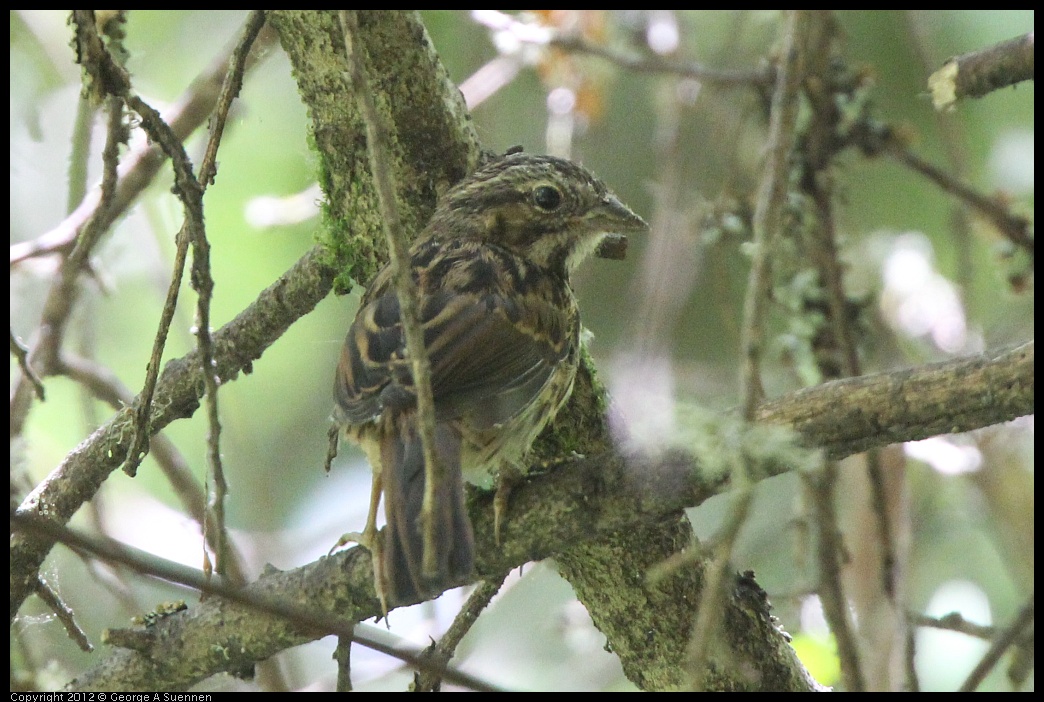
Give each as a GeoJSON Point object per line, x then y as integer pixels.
{"type": "Point", "coordinates": [402, 474]}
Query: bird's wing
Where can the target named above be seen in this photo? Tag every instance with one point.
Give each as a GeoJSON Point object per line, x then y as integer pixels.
{"type": "Point", "coordinates": [490, 354]}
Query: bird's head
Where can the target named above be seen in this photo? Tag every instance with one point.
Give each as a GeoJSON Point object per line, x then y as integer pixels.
{"type": "Point", "coordinates": [549, 210]}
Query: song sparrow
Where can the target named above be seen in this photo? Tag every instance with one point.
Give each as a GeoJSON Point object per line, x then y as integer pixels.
{"type": "Point", "coordinates": [502, 332]}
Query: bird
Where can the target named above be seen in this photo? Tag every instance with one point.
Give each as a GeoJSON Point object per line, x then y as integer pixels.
{"type": "Point", "coordinates": [501, 330]}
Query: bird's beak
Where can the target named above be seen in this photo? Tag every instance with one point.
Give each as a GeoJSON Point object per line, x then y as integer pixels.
{"type": "Point", "coordinates": [618, 219]}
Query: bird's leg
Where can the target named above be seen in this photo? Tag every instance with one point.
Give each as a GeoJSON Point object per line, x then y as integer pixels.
{"type": "Point", "coordinates": [508, 477]}
{"type": "Point", "coordinates": [370, 539]}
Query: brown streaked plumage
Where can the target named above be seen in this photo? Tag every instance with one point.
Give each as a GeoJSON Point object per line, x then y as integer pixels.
{"type": "Point", "coordinates": [502, 333]}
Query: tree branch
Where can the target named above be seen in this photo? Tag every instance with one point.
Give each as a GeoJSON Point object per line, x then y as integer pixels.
{"type": "Point", "coordinates": [582, 502]}
{"type": "Point", "coordinates": [851, 415]}
{"type": "Point", "coordinates": [979, 73]}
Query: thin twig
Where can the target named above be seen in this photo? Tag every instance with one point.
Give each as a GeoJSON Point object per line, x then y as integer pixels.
{"type": "Point", "coordinates": [21, 354]}
{"type": "Point", "coordinates": [333, 436]}
{"type": "Point", "coordinates": [143, 162]}
{"type": "Point", "coordinates": [343, 655]}
{"type": "Point", "coordinates": [954, 622]}
{"type": "Point", "coordinates": [1007, 637]}
{"type": "Point", "coordinates": [64, 290]}
{"type": "Point", "coordinates": [139, 442]}
{"type": "Point", "coordinates": [767, 222]}
{"type": "Point", "coordinates": [768, 212]}
{"type": "Point", "coordinates": [913, 683]}
{"type": "Point", "coordinates": [203, 283]}
{"type": "Point", "coordinates": [438, 655]}
{"type": "Point", "coordinates": [821, 148]}
{"type": "Point", "coordinates": [717, 577]}
{"type": "Point", "coordinates": [379, 145]}
{"type": "Point", "coordinates": [230, 88]}
{"type": "Point", "coordinates": [829, 266]}
{"type": "Point", "coordinates": [1015, 228]}
{"type": "Point", "coordinates": [64, 614]}
{"type": "Point", "coordinates": [104, 385]}
{"type": "Point", "coordinates": [79, 155]}
{"type": "Point", "coordinates": [108, 76]}
{"type": "Point", "coordinates": [190, 192]}
{"type": "Point", "coordinates": [820, 486]}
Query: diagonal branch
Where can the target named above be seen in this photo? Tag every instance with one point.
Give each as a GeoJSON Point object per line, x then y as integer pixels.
{"type": "Point", "coordinates": [236, 346]}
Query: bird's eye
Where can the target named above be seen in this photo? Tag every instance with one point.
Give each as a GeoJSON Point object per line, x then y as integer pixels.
{"type": "Point", "coordinates": [547, 198]}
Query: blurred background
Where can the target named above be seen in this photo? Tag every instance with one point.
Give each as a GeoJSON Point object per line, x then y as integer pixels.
{"type": "Point", "coordinates": [685, 154]}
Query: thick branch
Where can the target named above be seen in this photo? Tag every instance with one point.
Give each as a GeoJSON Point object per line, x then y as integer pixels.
{"type": "Point", "coordinates": [855, 414]}
{"type": "Point", "coordinates": [433, 139]}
